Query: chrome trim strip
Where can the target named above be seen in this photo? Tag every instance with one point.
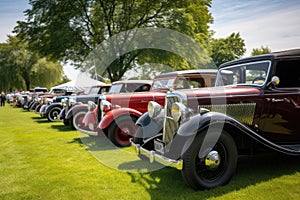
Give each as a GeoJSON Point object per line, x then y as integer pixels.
{"type": "Point", "coordinates": [178, 164]}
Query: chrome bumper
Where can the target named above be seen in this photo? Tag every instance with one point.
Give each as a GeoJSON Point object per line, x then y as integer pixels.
{"type": "Point", "coordinates": [92, 133]}
{"type": "Point", "coordinates": [178, 164]}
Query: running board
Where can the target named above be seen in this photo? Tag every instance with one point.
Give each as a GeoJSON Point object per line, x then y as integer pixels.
{"type": "Point", "coordinates": [295, 147]}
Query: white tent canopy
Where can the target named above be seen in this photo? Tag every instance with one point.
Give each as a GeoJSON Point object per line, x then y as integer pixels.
{"type": "Point", "coordinates": [82, 83]}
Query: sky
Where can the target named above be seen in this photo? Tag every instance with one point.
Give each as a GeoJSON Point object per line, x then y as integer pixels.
{"type": "Point", "coordinates": [271, 23]}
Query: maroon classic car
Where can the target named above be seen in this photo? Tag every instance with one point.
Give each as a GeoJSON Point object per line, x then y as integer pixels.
{"type": "Point", "coordinates": [202, 131]}
{"type": "Point", "coordinates": [116, 114]}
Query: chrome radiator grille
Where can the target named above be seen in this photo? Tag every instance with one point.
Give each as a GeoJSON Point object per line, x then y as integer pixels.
{"type": "Point", "coordinates": [170, 127]}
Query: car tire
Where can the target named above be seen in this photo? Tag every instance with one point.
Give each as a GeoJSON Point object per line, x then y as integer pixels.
{"type": "Point", "coordinates": [199, 174]}
{"type": "Point", "coordinates": [121, 130]}
{"type": "Point", "coordinates": [53, 114]}
{"type": "Point", "coordinates": [77, 119]}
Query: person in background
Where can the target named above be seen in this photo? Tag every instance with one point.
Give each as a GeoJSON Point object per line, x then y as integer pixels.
{"type": "Point", "coordinates": [2, 99]}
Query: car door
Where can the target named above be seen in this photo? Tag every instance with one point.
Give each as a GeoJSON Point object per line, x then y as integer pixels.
{"type": "Point", "coordinates": [281, 121]}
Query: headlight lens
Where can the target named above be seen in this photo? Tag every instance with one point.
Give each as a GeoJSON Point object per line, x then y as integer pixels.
{"type": "Point", "coordinates": [72, 101]}
{"type": "Point", "coordinates": [91, 105]}
{"type": "Point", "coordinates": [105, 106]}
{"type": "Point", "coordinates": [153, 109]}
{"type": "Point", "coordinates": [178, 111]}
{"type": "Point", "coordinates": [63, 102]}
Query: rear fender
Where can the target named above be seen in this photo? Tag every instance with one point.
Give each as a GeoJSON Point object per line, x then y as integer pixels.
{"type": "Point", "coordinates": [109, 117]}
{"type": "Point", "coordinates": [75, 109]}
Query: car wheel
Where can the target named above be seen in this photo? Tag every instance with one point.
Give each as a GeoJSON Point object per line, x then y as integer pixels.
{"type": "Point", "coordinates": [77, 119]}
{"type": "Point", "coordinates": [121, 130]}
{"type": "Point", "coordinates": [216, 168]}
{"type": "Point", "coordinates": [53, 114]}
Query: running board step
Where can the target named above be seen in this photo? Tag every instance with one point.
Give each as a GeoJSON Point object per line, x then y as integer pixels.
{"type": "Point", "coordinates": [295, 147]}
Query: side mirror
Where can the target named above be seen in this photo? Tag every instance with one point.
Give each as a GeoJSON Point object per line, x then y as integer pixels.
{"type": "Point", "coordinates": [274, 81]}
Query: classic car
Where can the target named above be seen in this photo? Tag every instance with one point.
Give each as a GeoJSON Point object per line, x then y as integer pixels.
{"type": "Point", "coordinates": [45, 100]}
{"type": "Point", "coordinates": [33, 94]}
{"type": "Point", "coordinates": [116, 114]}
{"type": "Point", "coordinates": [72, 106]}
{"type": "Point", "coordinates": [76, 114]}
{"type": "Point", "coordinates": [254, 108]}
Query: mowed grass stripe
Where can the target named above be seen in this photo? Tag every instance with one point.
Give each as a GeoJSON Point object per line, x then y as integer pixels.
{"type": "Point", "coordinates": [43, 160]}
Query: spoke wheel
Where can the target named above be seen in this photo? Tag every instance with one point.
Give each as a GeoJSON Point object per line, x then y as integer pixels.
{"type": "Point", "coordinates": [121, 130]}
{"type": "Point", "coordinates": [216, 168]}
{"type": "Point", "coordinates": [53, 114]}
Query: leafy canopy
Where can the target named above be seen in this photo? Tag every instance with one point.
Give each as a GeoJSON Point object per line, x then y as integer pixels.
{"type": "Point", "coordinates": [68, 30]}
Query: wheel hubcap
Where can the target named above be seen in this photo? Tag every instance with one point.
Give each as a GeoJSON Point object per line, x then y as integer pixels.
{"type": "Point", "coordinates": [212, 160]}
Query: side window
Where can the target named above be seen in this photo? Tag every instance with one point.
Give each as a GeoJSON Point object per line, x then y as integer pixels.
{"type": "Point", "coordinates": [192, 82]}
{"type": "Point", "coordinates": [288, 72]}
{"type": "Point", "coordinates": [143, 88]}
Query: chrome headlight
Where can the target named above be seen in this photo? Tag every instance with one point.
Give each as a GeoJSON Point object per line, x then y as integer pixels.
{"type": "Point", "coordinates": [63, 102]}
{"type": "Point", "coordinates": [72, 101]}
{"type": "Point", "coordinates": [105, 106]}
{"type": "Point", "coordinates": [91, 106]}
{"type": "Point", "coordinates": [178, 111]}
{"type": "Point", "coordinates": [154, 109]}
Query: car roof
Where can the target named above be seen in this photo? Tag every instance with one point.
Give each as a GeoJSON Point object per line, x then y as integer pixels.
{"type": "Point", "coordinates": [271, 56]}
{"type": "Point", "coordinates": [183, 72]}
{"type": "Point", "coordinates": [134, 81]}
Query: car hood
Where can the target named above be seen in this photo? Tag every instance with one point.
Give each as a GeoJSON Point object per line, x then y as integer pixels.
{"type": "Point", "coordinates": [227, 91]}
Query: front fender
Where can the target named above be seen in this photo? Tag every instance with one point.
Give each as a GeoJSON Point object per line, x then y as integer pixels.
{"type": "Point", "coordinates": [198, 122]}
{"type": "Point", "coordinates": [75, 109]}
{"type": "Point", "coordinates": [109, 117]}
{"type": "Point", "coordinates": [150, 127]}
{"type": "Point", "coordinates": [49, 107]}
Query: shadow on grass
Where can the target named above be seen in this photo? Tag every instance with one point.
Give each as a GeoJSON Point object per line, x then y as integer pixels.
{"type": "Point", "coordinates": [167, 183]}
{"type": "Point", "coordinates": [61, 127]}
{"type": "Point", "coordinates": [40, 120]}
{"type": "Point", "coordinates": [94, 143]}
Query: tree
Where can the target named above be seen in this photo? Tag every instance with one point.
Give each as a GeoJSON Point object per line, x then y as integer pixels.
{"type": "Point", "coordinates": [261, 50]}
{"type": "Point", "coordinates": [227, 49]}
{"type": "Point", "coordinates": [23, 69]}
{"type": "Point", "coordinates": [46, 73]}
{"type": "Point", "coordinates": [68, 30]}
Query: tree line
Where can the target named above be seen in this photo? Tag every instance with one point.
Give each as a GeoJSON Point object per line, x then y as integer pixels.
{"type": "Point", "coordinates": [60, 31]}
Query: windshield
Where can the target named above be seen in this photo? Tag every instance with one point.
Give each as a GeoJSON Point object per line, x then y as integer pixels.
{"type": "Point", "coordinates": [163, 83]}
{"type": "Point", "coordinates": [115, 88]}
{"type": "Point", "coordinates": [94, 90]}
{"type": "Point", "coordinates": [254, 73]}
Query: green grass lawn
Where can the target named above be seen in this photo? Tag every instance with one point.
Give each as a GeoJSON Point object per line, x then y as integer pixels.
{"type": "Point", "coordinates": [44, 160]}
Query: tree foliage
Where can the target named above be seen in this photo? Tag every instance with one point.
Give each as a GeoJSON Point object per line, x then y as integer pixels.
{"type": "Point", "coordinates": [69, 30]}
{"type": "Point", "coordinates": [227, 49]}
{"type": "Point", "coordinates": [23, 69]}
{"type": "Point", "coordinates": [261, 50]}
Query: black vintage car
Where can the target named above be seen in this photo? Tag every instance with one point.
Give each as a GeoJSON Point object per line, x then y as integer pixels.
{"type": "Point", "coordinates": [255, 107]}
{"type": "Point", "coordinates": [69, 103]}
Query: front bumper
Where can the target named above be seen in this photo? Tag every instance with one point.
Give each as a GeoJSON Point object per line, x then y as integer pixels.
{"type": "Point", "coordinates": [153, 156]}
{"type": "Point", "coordinates": [92, 133]}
